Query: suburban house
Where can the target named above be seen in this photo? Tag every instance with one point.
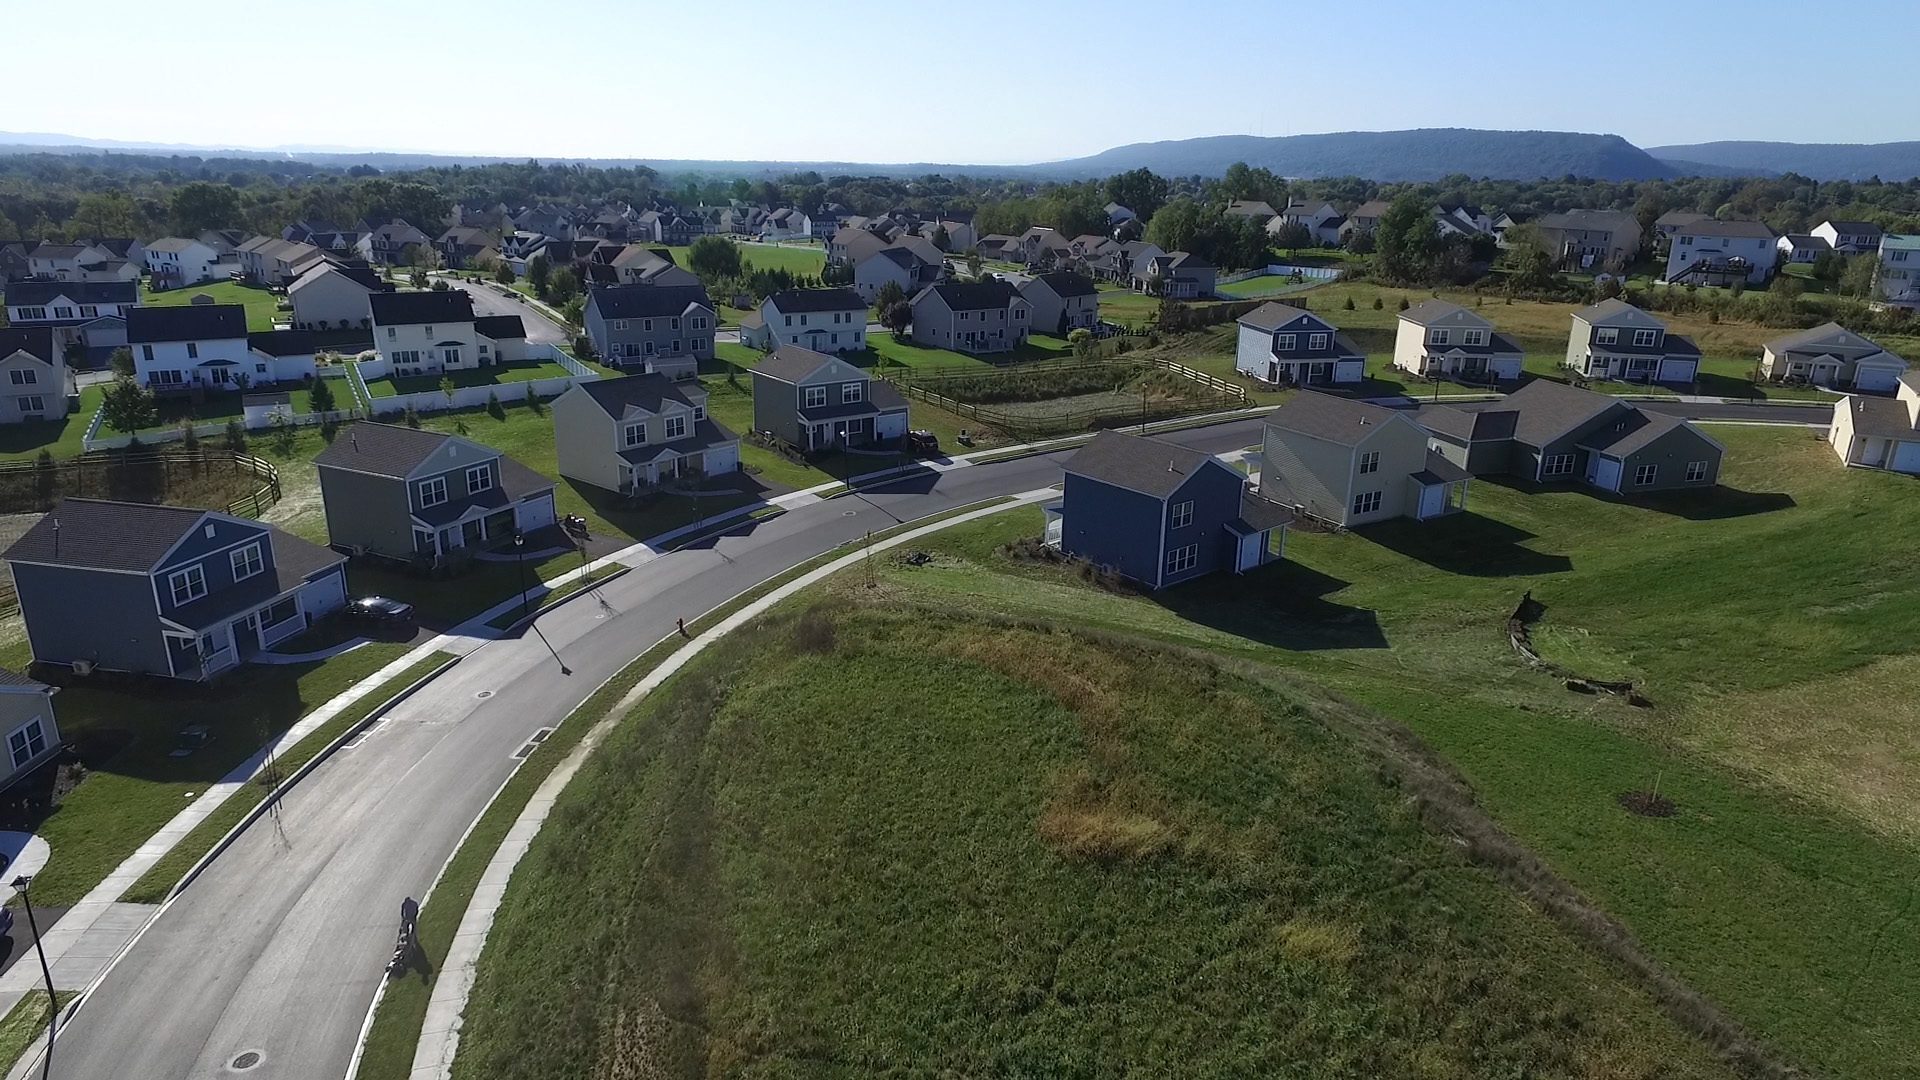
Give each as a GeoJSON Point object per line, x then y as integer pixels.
{"type": "Point", "coordinates": [393, 244]}
{"type": "Point", "coordinates": [280, 356]}
{"type": "Point", "coordinates": [35, 381]}
{"type": "Point", "coordinates": [1117, 263]}
{"type": "Point", "coordinates": [960, 235]}
{"type": "Point", "coordinates": [901, 266]}
{"type": "Point", "coordinates": [1178, 274]}
{"type": "Point", "coordinates": [668, 228]}
{"type": "Point", "coordinates": [1714, 252]}
{"type": "Point", "coordinates": [1850, 237]}
{"type": "Point", "coordinates": [464, 247]}
{"type": "Point", "coordinates": [1061, 302]}
{"type": "Point", "coordinates": [407, 494]}
{"type": "Point", "coordinates": [824, 320]}
{"type": "Point", "coordinates": [325, 235]}
{"type": "Point", "coordinates": [190, 346]}
{"type": "Point", "coordinates": [1366, 217]}
{"type": "Point", "coordinates": [972, 317]}
{"type": "Point", "coordinates": [165, 590]}
{"type": "Point", "coordinates": [1160, 514]}
{"type": "Point", "coordinates": [90, 315]}
{"type": "Point", "coordinates": [1899, 274]}
{"type": "Point", "coordinates": [1831, 355]}
{"type": "Point", "coordinates": [1043, 246]}
{"type": "Point", "coordinates": [665, 329]}
{"type": "Point", "coordinates": [637, 264]}
{"type": "Point", "coordinates": [1438, 338]}
{"type": "Point", "coordinates": [86, 260]}
{"type": "Point", "coordinates": [1878, 432]}
{"type": "Point", "coordinates": [1353, 463]}
{"type": "Point", "coordinates": [998, 246]}
{"type": "Point", "coordinates": [26, 718]}
{"type": "Point", "coordinates": [1615, 340]}
{"type": "Point", "coordinates": [815, 401]}
{"type": "Point", "coordinates": [330, 297]}
{"type": "Point", "coordinates": [1321, 220]}
{"type": "Point", "coordinates": [785, 223]}
{"type": "Point", "coordinates": [742, 220]}
{"type": "Point", "coordinates": [1591, 239]}
{"type": "Point", "coordinates": [1287, 346]}
{"type": "Point", "coordinates": [269, 260]}
{"type": "Point", "coordinates": [426, 332]}
{"type": "Point", "coordinates": [1801, 247]}
{"type": "Point", "coordinates": [176, 261]}
{"type": "Point", "coordinates": [637, 432]}
{"type": "Point", "coordinates": [1547, 431]}
{"type": "Point", "coordinates": [1254, 210]}
{"type": "Point", "coordinates": [1673, 221]}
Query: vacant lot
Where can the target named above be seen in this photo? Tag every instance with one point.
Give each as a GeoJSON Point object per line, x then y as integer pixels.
{"type": "Point", "coordinates": [1779, 676]}
{"type": "Point", "coordinates": [859, 841]}
{"type": "Point", "coordinates": [505, 376]}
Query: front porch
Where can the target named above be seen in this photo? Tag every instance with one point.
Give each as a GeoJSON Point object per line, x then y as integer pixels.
{"type": "Point", "coordinates": [828, 434]}
{"type": "Point", "coordinates": [478, 528]}
{"type": "Point", "coordinates": [231, 642]}
{"type": "Point", "coordinates": [668, 470]}
{"type": "Point", "coordinates": [1640, 369]}
{"type": "Point", "coordinates": [1302, 372]}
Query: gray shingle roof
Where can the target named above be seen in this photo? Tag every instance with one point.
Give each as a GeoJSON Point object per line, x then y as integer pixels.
{"type": "Point", "coordinates": [796, 301]}
{"type": "Point", "coordinates": [282, 342]}
{"type": "Point", "coordinates": [33, 340]}
{"type": "Point", "coordinates": [1429, 311]}
{"type": "Point", "coordinates": [1468, 426]}
{"type": "Point", "coordinates": [187, 322]}
{"type": "Point", "coordinates": [1885, 418]}
{"type": "Point", "coordinates": [1750, 230]}
{"type": "Point", "coordinates": [1635, 430]}
{"type": "Point", "coordinates": [80, 292]}
{"type": "Point", "coordinates": [705, 435]}
{"type": "Point", "coordinates": [1335, 419]}
{"type": "Point", "coordinates": [1137, 463]}
{"type": "Point", "coordinates": [790, 363]}
{"type": "Point", "coordinates": [426, 307]}
{"type": "Point", "coordinates": [973, 296]}
{"type": "Point", "coordinates": [1067, 284]}
{"type": "Point", "coordinates": [647, 301]}
{"type": "Point", "coordinates": [500, 327]}
{"type": "Point", "coordinates": [614, 396]}
{"type": "Point", "coordinates": [1273, 315]}
{"type": "Point", "coordinates": [1439, 470]}
{"type": "Point", "coordinates": [101, 535]}
{"type": "Point", "coordinates": [383, 449]}
{"type": "Point", "coordinates": [1548, 410]}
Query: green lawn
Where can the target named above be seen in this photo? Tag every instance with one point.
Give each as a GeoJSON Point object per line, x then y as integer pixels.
{"type": "Point", "coordinates": [1267, 285]}
{"type": "Point", "coordinates": [1784, 724]}
{"type": "Point", "coordinates": [62, 438]}
{"type": "Point", "coordinates": [124, 731]}
{"type": "Point", "coordinates": [262, 306]}
{"type": "Point", "coordinates": [809, 261]}
{"type": "Point", "coordinates": [492, 375]}
{"type": "Point", "coordinates": [1035, 853]}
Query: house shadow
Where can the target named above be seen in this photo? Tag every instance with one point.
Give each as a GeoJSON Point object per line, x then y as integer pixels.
{"type": "Point", "coordinates": [1717, 503]}
{"type": "Point", "coordinates": [1466, 543]}
{"type": "Point", "coordinates": [640, 519]}
{"type": "Point", "coordinates": [918, 480]}
{"type": "Point", "coordinates": [1283, 605]}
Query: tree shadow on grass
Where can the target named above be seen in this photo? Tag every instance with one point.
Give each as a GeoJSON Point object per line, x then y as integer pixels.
{"type": "Point", "coordinates": [1466, 543]}
{"type": "Point", "coordinates": [1282, 604]}
{"type": "Point", "coordinates": [1717, 503]}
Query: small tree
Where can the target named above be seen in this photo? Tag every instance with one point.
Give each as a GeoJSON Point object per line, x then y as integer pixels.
{"type": "Point", "coordinates": [538, 272]}
{"type": "Point", "coordinates": [412, 417]}
{"type": "Point", "coordinates": [890, 294]}
{"type": "Point", "coordinates": [503, 274]}
{"type": "Point", "coordinates": [447, 388]}
{"type": "Point", "coordinates": [973, 265]}
{"type": "Point", "coordinates": [562, 285]}
{"type": "Point", "coordinates": [1292, 236]}
{"type": "Point", "coordinates": [1349, 303]}
{"type": "Point", "coordinates": [1082, 342]}
{"type": "Point", "coordinates": [494, 408]}
{"type": "Point", "coordinates": [283, 435]}
{"type": "Point", "coordinates": [320, 397]}
{"type": "Point", "coordinates": [121, 362]}
{"type": "Point", "coordinates": [533, 402]}
{"type": "Point", "coordinates": [1403, 304]}
{"type": "Point", "coordinates": [574, 311]}
{"type": "Point", "coordinates": [714, 258]}
{"type": "Point", "coordinates": [236, 437]}
{"type": "Point", "coordinates": [1377, 305]}
{"type": "Point", "coordinates": [897, 317]}
{"type": "Point", "coordinates": [128, 406]}
{"type": "Point", "coordinates": [189, 438]}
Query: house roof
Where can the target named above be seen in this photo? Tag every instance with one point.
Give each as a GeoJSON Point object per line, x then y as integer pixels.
{"type": "Point", "coordinates": [426, 307]}
{"type": "Point", "coordinates": [500, 327]}
{"type": "Point", "coordinates": [1258, 515]}
{"type": "Point", "coordinates": [1899, 242]}
{"type": "Point", "coordinates": [1187, 260]}
{"type": "Point", "coordinates": [1250, 208]}
{"type": "Point", "coordinates": [174, 243]}
{"type": "Point", "coordinates": [186, 322]}
{"type": "Point", "coordinates": [972, 295]}
{"type": "Point", "coordinates": [1482, 425]}
{"type": "Point", "coordinates": [1438, 470]}
{"type": "Point", "coordinates": [282, 342]}
{"type": "Point", "coordinates": [1372, 208]}
{"type": "Point", "coordinates": [1335, 419]}
{"type": "Point", "coordinates": [1607, 309]}
{"type": "Point", "coordinates": [1880, 417]}
{"type": "Point", "coordinates": [790, 363]}
{"type": "Point", "coordinates": [37, 291]}
{"type": "Point", "coordinates": [35, 341]}
{"type": "Point", "coordinates": [647, 301]}
{"type": "Point", "coordinates": [1806, 240]}
{"type": "Point", "coordinates": [1273, 315]}
{"type": "Point", "coordinates": [1431, 311]}
{"type": "Point", "coordinates": [365, 277]}
{"type": "Point", "coordinates": [275, 397]}
{"type": "Point", "coordinates": [1138, 463]}
{"type": "Point", "coordinates": [796, 301]}
{"type": "Point", "coordinates": [1591, 221]}
{"type": "Point", "coordinates": [97, 534]}
{"type": "Point", "coordinates": [1634, 430]}
{"type": "Point", "coordinates": [1680, 217]}
{"type": "Point", "coordinates": [1737, 230]}
{"type": "Point", "coordinates": [384, 449]}
{"type": "Point", "coordinates": [1548, 409]}
{"type": "Point", "coordinates": [1867, 227]}
{"type": "Point", "coordinates": [1823, 334]}
{"type": "Point", "coordinates": [1067, 284]}
{"type": "Point", "coordinates": [615, 396]}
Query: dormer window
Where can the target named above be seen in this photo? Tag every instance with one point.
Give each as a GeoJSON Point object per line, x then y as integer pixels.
{"type": "Point", "coordinates": [1476, 337]}
{"type": "Point", "coordinates": [676, 427]}
{"type": "Point", "coordinates": [1316, 342]}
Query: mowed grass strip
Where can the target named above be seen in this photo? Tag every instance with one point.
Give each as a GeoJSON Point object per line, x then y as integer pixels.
{"type": "Point", "coordinates": [854, 840]}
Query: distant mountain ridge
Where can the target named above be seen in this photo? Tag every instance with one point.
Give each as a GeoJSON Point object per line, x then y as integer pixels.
{"type": "Point", "coordinates": [1819, 161]}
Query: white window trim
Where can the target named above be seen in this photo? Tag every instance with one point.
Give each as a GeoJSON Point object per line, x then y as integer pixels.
{"type": "Point", "coordinates": [852, 392]}
{"type": "Point", "coordinates": [1652, 473]}
{"type": "Point", "coordinates": [244, 556]}
{"type": "Point", "coordinates": [1645, 338]}
{"type": "Point", "coordinates": [634, 434]}
{"type": "Point", "coordinates": [1370, 462]}
{"type": "Point", "coordinates": [39, 729]}
{"type": "Point", "coordinates": [1368, 502]}
{"type": "Point", "coordinates": [186, 576]}
{"type": "Point", "coordinates": [1182, 515]}
{"type": "Point", "coordinates": [1182, 559]}
{"type": "Point", "coordinates": [672, 420]}
{"type": "Point", "coordinates": [432, 491]}
{"type": "Point", "coordinates": [1696, 467]}
{"type": "Point", "coordinates": [1551, 465]}
{"type": "Point", "coordinates": [484, 476]}
{"type": "Point", "coordinates": [807, 397]}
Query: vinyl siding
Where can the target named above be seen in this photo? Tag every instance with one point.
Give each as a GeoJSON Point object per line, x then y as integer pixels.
{"type": "Point", "coordinates": [585, 440]}
{"type": "Point", "coordinates": [367, 511]}
{"type": "Point", "coordinates": [73, 614]}
{"type": "Point", "coordinates": [1111, 526]}
{"type": "Point", "coordinates": [1670, 453]}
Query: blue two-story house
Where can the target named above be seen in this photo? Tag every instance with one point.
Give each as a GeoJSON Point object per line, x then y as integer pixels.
{"type": "Point", "coordinates": [1160, 514]}
{"type": "Point", "coordinates": [165, 590]}
{"type": "Point", "coordinates": [1284, 345]}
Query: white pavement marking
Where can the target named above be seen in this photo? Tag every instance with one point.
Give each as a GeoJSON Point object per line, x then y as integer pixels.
{"type": "Point", "coordinates": [440, 1031]}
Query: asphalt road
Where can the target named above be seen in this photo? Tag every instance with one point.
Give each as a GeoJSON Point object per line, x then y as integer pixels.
{"type": "Point", "coordinates": [279, 946]}
{"type": "Point", "coordinates": [539, 327]}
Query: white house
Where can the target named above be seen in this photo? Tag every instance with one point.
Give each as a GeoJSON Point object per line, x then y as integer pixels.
{"type": "Point", "coordinates": [824, 320]}
{"type": "Point", "coordinates": [35, 381]}
{"type": "Point", "coordinates": [1441, 338]}
{"type": "Point", "coordinates": [1899, 274]}
{"type": "Point", "coordinates": [425, 333]}
{"type": "Point", "coordinates": [1801, 247]}
{"type": "Point", "coordinates": [177, 261]}
{"type": "Point", "coordinates": [190, 345]}
{"type": "Point", "coordinates": [280, 356]}
{"type": "Point", "coordinates": [1849, 237]}
{"type": "Point", "coordinates": [1877, 432]}
{"type": "Point", "coordinates": [1713, 252]}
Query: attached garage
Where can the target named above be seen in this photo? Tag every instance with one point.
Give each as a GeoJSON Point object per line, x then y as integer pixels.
{"type": "Point", "coordinates": [1884, 378]}
{"type": "Point", "coordinates": [1906, 457]}
{"type": "Point", "coordinates": [536, 512]}
{"type": "Point", "coordinates": [723, 459]}
{"type": "Point", "coordinates": [890, 425]}
{"type": "Point", "coordinates": [1679, 369]}
{"type": "Point", "coordinates": [1349, 371]}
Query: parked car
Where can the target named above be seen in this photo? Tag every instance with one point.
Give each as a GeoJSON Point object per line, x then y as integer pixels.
{"type": "Point", "coordinates": [381, 611]}
{"type": "Point", "coordinates": [922, 442]}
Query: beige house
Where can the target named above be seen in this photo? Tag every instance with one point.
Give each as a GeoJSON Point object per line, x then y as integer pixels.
{"type": "Point", "coordinates": [35, 381]}
{"type": "Point", "coordinates": [1831, 355]}
{"type": "Point", "coordinates": [638, 264]}
{"type": "Point", "coordinates": [1877, 432]}
{"type": "Point", "coordinates": [1592, 239]}
{"type": "Point", "coordinates": [329, 297]}
{"type": "Point", "coordinates": [1441, 338]}
{"type": "Point", "coordinates": [1351, 463]}
{"type": "Point", "coordinates": [269, 260]}
{"type": "Point", "coordinates": [976, 317]}
{"type": "Point", "coordinates": [637, 432]}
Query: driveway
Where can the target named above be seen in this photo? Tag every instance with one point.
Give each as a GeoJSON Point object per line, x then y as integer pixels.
{"type": "Point", "coordinates": [539, 327]}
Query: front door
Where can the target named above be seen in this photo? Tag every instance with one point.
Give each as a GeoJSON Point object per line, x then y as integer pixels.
{"type": "Point", "coordinates": [472, 533]}
{"type": "Point", "coordinates": [246, 635]}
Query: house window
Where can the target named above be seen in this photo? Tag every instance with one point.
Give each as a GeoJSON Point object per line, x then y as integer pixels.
{"type": "Point", "coordinates": [699, 412]}
{"type": "Point", "coordinates": [1182, 515]}
{"type": "Point", "coordinates": [433, 492]}
{"type": "Point", "coordinates": [1557, 465]}
{"type": "Point", "coordinates": [1696, 471]}
{"type": "Point", "coordinates": [646, 325]}
{"type": "Point", "coordinates": [619, 324]}
{"type": "Point", "coordinates": [1370, 462]}
{"type": "Point", "coordinates": [850, 393]}
{"type": "Point", "coordinates": [1645, 474]}
{"type": "Point", "coordinates": [1283, 342]}
{"type": "Point", "coordinates": [635, 434]}
{"type": "Point", "coordinates": [32, 403]}
{"type": "Point", "coordinates": [1476, 337]}
{"type": "Point", "coordinates": [27, 742]}
{"type": "Point", "coordinates": [247, 562]}
{"type": "Point", "coordinates": [450, 357]}
{"type": "Point", "coordinates": [699, 322]}
{"type": "Point", "coordinates": [1366, 502]}
{"type": "Point", "coordinates": [146, 353]}
{"type": "Point", "coordinates": [392, 333]}
{"type": "Point", "coordinates": [193, 350]}
{"type": "Point", "coordinates": [24, 376]}
{"type": "Point", "coordinates": [63, 313]}
{"type": "Point", "coordinates": [816, 397]}
{"type": "Point", "coordinates": [1316, 342]}
{"type": "Point", "coordinates": [32, 313]}
{"type": "Point", "coordinates": [479, 479]}
{"type": "Point", "coordinates": [1606, 335]}
{"type": "Point", "coordinates": [1644, 338]}
{"type": "Point", "coordinates": [676, 427]}
{"type": "Point", "coordinates": [187, 585]}
{"type": "Point", "coordinates": [1439, 337]}
{"type": "Point", "coordinates": [1182, 559]}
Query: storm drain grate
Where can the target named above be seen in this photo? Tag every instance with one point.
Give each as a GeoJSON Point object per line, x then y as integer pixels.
{"type": "Point", "coordinates": [484, 695]}
{"type": "Point", "coordinates": [533, 743]}
{"type": "Point", "coordinates": [246, 1061]}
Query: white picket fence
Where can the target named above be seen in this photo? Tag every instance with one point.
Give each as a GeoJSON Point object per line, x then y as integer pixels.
{"type": "Point", "coordinates": [1309, 273]}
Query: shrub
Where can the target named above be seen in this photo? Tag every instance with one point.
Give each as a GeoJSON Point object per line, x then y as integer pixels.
{"type": "Point", "coordinates": [412, 416]}
{"type": "Point", "coordinates": [497, 410]}
{"type": "Point", "coordinates": [1349, 303]}
{"type": "Point", "coordinates": [1377, 305]}
{"type": "Point", "coordinates": [1403, 304]}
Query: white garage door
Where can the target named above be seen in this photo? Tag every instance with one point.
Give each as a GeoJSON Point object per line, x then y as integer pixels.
{"type": "Point", "coordinates": [1506, 369]}
{"type": "Point", "coordinates": [327, 594]}
{"type": "Point", "coordinates": [1349, 371]}
{"type": "Point", "coordinates": [1603, 473]}
{"type": "Point", "coordinates": [723, 459]}
{"type": "Point", "coordinates": [1433, 500]}
{"type": "Point", "coordinates": [536, 513]}
{"type": "Point", "coordinates": [1906, 458]}
{"type": "Point", "coordinates": [890, 425]}
{"type": "Point", "coordinates": [1868, 378]}
{"type": "Point", "coordinates": [1678, 371]}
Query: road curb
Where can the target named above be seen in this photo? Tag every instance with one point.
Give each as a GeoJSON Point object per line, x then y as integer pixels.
{"type": "Point", "coordinates": [521, 623]}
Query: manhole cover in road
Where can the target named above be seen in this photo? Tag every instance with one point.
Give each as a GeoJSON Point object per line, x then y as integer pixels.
{"type": "Point", "coordinates": [848, 513]}
{"type": "Point", "coordinates": [484, 695]}
{"type": "Point", "coordinates": [246, 1061]}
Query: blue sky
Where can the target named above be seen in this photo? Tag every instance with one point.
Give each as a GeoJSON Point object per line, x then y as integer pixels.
{"type": "Point", "coordinates": [984, 81]}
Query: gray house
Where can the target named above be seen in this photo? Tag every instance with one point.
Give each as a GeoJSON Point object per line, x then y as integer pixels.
{"type": "Point", "coordinates": [26, 719]}
{"type": "Point", "coordinates": [661, 329]}
{"type": "Point", "coordinates": [35, 382]}
{"type": "Point", "coordinates": [408, 494]}
{"type": "Point", "coordinates": [815, 401]}
{"type": "Point", "coordinates": [1062, 302]}
{"type": "Point", "coordinates": [165, 590]}
{"type": "Point", "coordinates": [1178, 274]}
{"type": "Point", "coordinates": [637, 432]}
{"type": "Point", "coordinates": [975, 317]}
{"type": "Point", "coordinates": [1615, 340]}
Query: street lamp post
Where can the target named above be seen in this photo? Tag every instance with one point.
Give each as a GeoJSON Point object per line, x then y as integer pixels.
{"type": "Point", "coordinates": [20, 884]}
{"type": "Point", "coordinates": [520, 564]}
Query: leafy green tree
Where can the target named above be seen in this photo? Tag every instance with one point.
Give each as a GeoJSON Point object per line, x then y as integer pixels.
{"type": "Point", "coordinates": [202, 205]}
{"type": "Point", "coordinates": [1529, 258]}
{"type": "Point", "coordinates": [127, 406]}
{"type": "Point", "coordinates": [1360, 242]}
{"type": "Point", "coordinates": [1177, 225]}
{"type": "Point", "coordinates": [447, 388]}
{"type": "Point", "coordinates": [320, 397]}
{"type": "Point", "coordinates": [121, 362]}
{"type": "Point", "coordinates": [897, 317]}
{"type": "Point", "coordinates": [1140, 191]}
{"type": "Point", "coordinates": [503, 273]}
{"type": "Point", "coordinates": [236, 437]}
{"type": "Point", "coordinates": [890, 294]}
{"type": "Point", "coordinates": [1292, 237]}
{"type": "Point", "coordinates": [941, 238]}
{"type": "Point", "coordinates": [1242, 181]}
{"type": "Point", "coordinates": [1082, 342]}
{"type": "Point", "coordinates": [714, 258]}
{"type": "Point", "coordinates": [106, 213]}
{"type": "Point", "coordinates": [574, 311]}
{"type": "Point", "coordinates": [1858, 279]}
{"type": "Point", "coordinates": [1407, 239]}
{"type": "Point", "coordinates": [539, 270]}
{"type": "Point", "coordinates": [562, 285]}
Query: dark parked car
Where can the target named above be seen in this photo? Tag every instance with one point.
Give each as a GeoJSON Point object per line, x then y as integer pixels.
{"type": "Point", "coordinates": [381, 611]}
{"type": "Point", "coordinates": [923, 442]}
